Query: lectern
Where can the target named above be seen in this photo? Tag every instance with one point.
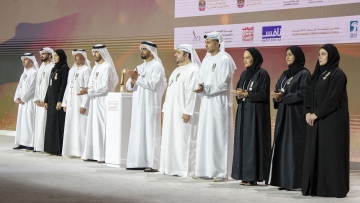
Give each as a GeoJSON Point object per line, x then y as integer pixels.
{"type": "Point", "coordinates": [118, 128]}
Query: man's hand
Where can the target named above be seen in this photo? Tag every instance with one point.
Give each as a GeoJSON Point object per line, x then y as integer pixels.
{"type": "Point", "coordinates": [83, 91]}
{"type": "Point", "coordinates": [128, 72]}
{"type": "Point", "coordinates": [40, 103]}
{"type": "Point", "coordinates": [18, 100]}
{"type": "Point", "coordinates": [185, 118]}
{"type": "Point", "coordinates": [45, 106]}
{"type": "Point", "coordinates": [199, 89]}
{"type": "Point", "coordinates": [58, 106]}
{"type": "Point", "coordinates": [133, 74]}
{"type": "Point", "coordinates": [64, 108]}
{"type": "Point", "coordinates": [82, 110]}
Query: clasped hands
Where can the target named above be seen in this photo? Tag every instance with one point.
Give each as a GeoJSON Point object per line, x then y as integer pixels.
{"type": "Point", "coordinates": [240, 93]}
{"type": "Point", "coordinates": [84, 90]}
{"type": "Point", "coordinates": [133, 75]}
{"type": "Point", "coordinates": [310, 118]}
{"type": "Point", "coordinates": [278, 96]}
{"type": "Point", "coordinates": [58, 106]}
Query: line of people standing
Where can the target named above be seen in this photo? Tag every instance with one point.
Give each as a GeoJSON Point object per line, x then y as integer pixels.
{"type": "Point", "coordinates": [197, 138]}
{"type": "Point", "coordinates": [248, 156]}
{"type": "Point", "coordinates": [56, 90]}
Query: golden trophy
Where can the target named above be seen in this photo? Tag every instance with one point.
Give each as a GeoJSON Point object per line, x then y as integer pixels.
{"type": "Point", "coordinates": [122, 84]}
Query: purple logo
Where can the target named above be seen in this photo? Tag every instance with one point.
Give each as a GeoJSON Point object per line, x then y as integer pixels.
{"type": "Point", "coordinates": [271, 33]}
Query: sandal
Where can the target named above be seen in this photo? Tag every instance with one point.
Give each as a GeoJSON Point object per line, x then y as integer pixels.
{"type": "Point", "coordinates": [251, 183]}
{"type": "Point", "coordinates": [151, 170]}
{"type": "Point", "coordinates": [243, 183]}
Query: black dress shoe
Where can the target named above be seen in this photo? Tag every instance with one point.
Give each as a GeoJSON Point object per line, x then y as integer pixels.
{"type": "Point", "coordinates": [30, 148]}
{"type": "Point", "coordinates": [20, 147]}
{"type": "Point", "coordinates": [136, 168]}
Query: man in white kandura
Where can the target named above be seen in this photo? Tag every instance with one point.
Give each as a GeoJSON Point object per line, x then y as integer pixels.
{"type": "Point", "coordinates": [215, 135]}
{"type": "Point", "coordinates": [75, 105]}
{"type": "Point", "coordinates": [103, 79]}
{"type": "Point", "coordinates": [148, 84]}
{"type": "Point", "coordinates": [42, 83]}
{"type": "Point", "coordinates": [24, 96]}
{"type": "Point", "coordinates": [181, 115]}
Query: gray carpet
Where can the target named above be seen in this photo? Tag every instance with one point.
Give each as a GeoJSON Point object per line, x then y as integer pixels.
{"type": "Point", "coordinates": [35, 177]}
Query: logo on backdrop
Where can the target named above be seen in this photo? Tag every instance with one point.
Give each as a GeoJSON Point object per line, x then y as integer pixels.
{"type": "Point", "coordinates": [291, 3]}
{"type": "Point", "coordinates": [197, 38]}
{"type": "Point", "coordinates": [271, 33]}
{"type": "Point", "coordinates": [248, 34]}
{"type": "Point", "coordinates": [202, 5]}
{"type": "Point", "coordinates": [240, 3]}
{"type": "Point", "coordinates": [354, 28]}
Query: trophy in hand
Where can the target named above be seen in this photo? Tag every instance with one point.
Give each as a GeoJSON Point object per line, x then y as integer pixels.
{"type": "Point", "coordinates": [122, 84]}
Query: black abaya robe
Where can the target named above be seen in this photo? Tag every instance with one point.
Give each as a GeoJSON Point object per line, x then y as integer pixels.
{"type": "Point", "coordinates": [326, 162]}
{"type": "Point", "coordinates": [290, 131]}
{"type": "Point", "coordinates": [252, 140]}
{"type": "Point", "coordinates": [55, 121]}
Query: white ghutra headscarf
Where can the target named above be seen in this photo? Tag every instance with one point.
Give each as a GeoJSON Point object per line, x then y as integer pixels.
{"type": "Point", "coordinates": [31, 57]}
{"type": "Point", "coordinates": [48, 50]}
{"type": "Point", "coordinates": [114, 78]}
{"type": "Point", "coordinates": [152, 48]}
{"type": "Point", "coordinates": [190, 49]}
{"type": "Point", "coordinates": [217, 36]}
{"type": "Point", "coordinates": [232, 66]}
{"type": "Point", "coordinates": [82, 52]}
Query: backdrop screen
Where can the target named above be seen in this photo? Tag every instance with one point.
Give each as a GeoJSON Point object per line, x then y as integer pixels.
{"type": "Point", "coordinates": [269, 25]}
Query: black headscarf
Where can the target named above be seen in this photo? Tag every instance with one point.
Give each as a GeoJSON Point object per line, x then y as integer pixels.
{"type": "Point", "coordinates": [256, 65]}
{"type": "Point", "coordinates": [298, 64]}
{"type": "Point", "coordinates": [62, 59]}
{"type": "Point", "coordinates": [332, 62]}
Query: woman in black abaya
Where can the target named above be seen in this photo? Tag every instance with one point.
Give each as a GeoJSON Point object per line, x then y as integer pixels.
{"type": "Point", "coordinates": [290, 127]}
{"type": "Point", "coordinates": [326, 162]}
{"type": "Point", "coordinates": [54, 131]}
{"type": "Point", "coordinates": [252, 126]}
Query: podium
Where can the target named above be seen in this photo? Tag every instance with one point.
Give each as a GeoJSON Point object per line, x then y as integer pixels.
{"type": "Point", "coordinates": [118, 123]}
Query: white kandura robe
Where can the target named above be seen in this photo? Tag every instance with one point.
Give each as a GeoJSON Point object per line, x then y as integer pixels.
{"type": "Point", "coordinates": [145, 135]}
{"type": "Point", "coordinates": [99, 86]}
{"type": "Point", "coordinates": [26, 112]}
{"type": "Point", "coordinates": [178, 144]}
{"type": "Point", "coordinates": [75, 123]}
{"type": "Point", "coordinates": [42, 83]}
{"type": "Point", "coordinates": [215, 133]}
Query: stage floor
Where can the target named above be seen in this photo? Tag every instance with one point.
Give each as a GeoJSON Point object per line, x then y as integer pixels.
{"type": "Point", "coordinates": [35, 177]}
